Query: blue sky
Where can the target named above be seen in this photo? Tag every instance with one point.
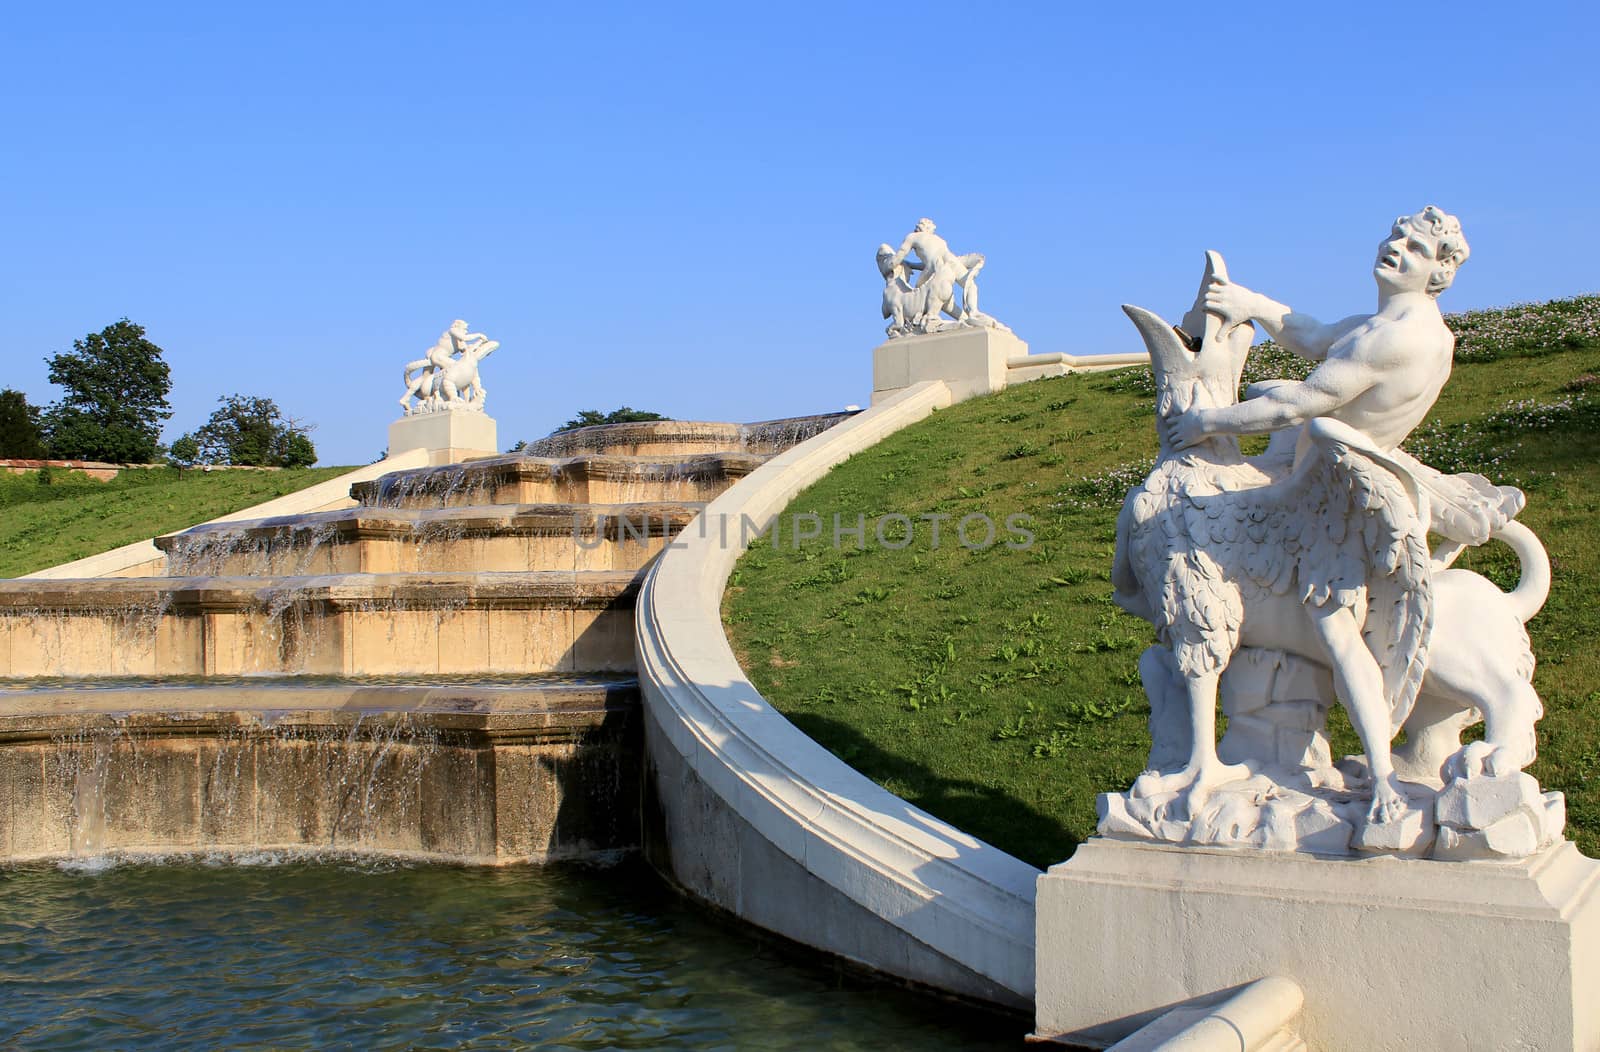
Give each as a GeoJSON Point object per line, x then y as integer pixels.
{"type": "Point", "coordinates": [676, 206]}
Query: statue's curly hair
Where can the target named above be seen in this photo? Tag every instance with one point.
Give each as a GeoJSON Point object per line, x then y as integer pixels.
{"type": "Point", "coordinates": [1451, 248]}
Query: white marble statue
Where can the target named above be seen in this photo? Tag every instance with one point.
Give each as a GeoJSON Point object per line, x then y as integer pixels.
{"type": "Point", "coordinates": [922, 307]}
{"type": "Point", "coordinates": [1281, 582]}
{"type": "Point", "coordinates": [447, 377]}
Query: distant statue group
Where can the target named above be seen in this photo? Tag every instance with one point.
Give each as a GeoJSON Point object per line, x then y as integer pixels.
{"type": "Point", "coordinates": [930, 304]}
{"type": "Point", "coordinates": [447, 377]}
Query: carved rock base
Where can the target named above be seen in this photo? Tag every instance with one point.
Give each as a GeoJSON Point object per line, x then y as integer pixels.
{"type": "Point", "coordinates": [1471, 818]}
{"type": "Point", "coordinates": [1299, 799]}
{"type": "Point", "coordinates": [1265, 816]}
{"type": "Point", "coordinates": [1392, 953]}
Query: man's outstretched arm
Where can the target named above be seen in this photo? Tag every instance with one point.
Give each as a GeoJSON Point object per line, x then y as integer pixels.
{"type": "Point", "coordinates": [1331, 385]}
{"type": "Point", "coordinates": [906, 248]}
{"type": "Point", "coordinates": [1300, 334]}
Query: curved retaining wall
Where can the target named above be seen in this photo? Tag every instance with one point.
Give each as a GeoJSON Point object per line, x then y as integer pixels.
{"type": "Point", "coordinates": [748, 813]}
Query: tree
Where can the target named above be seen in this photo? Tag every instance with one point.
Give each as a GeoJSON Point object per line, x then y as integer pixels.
{"type": "Point", "coordinates": [247, 431]}
{"type": "Point", "coordinates": [593, 418]}
{"type": "Point", "coordinates": [20, 436]}
{"type": "Point", "coordinates": [116, 397]}
{"type": "Point", "coordinates": [185, 451]}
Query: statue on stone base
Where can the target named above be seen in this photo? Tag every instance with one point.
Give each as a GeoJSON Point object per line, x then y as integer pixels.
{"type": "Point", "coordinates": [448, 378]}
{"type": "Point", "coordinates": [914, 309]}
{"type": "Point", "coordinates": [1280, 582]}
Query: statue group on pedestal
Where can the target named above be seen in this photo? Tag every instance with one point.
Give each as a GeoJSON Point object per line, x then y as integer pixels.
{"type": "Point", "coordinates": [1280, 583]}
{"type": "Point", "coordinates": [925, 305]}
{"type": "Point", "coordinates": [447, 376]}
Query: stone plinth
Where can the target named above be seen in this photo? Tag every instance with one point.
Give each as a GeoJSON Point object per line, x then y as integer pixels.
{"type": "Point", "coordinates": [1392, 953]}
{"type": "Point", "coordinates": [972, 361]}
{"type": "Point", "coordinates": [449, 435]}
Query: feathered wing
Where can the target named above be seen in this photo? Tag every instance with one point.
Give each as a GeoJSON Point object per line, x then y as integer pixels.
{"type": "Point", "coordinates": [1466, 507]}
{"type": "Point", "coordinates": [1190, 594]}
{"type": "Point", "coordinates": [1344, 528]}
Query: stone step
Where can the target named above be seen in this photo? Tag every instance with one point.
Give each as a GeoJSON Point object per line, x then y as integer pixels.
{"type": "Point", "coordinates": [539, 707]}
{"type": "Point", "coordinates": [488, 538]}
{"type": "Point", "coordinates": [682, 437]}
{"type": "Point", "coordinates": [589, 478]}
{"type": "Point", "coordinates": [367, 624]}
{"type": "Point", "coordinates": [474, 771]}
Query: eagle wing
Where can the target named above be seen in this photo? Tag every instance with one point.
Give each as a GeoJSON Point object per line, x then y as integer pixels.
{"type": "Point", "coordinates": [1349, 527]}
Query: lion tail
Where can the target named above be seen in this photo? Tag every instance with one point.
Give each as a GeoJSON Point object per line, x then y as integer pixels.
{"type": "Point", "coordinates": [1533, 587]}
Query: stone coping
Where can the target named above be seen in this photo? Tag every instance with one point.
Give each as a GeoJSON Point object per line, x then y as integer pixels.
{"type": "Point", "coordinates": [943, 888]}
{"type": "Point", "coordinates": [1079, 362]}
{"type": "Point", "coordinates": [647, 518]}
{"type": "Point", "coordinates": [1255, 1017]}
{"type": "Point", "coordinates": [544, 711]}
{"type": "Point", "coordinates": [567, 589]}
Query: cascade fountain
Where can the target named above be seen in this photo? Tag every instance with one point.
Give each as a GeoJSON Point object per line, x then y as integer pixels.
{"type": "Point", "coordinates": [442, 669]}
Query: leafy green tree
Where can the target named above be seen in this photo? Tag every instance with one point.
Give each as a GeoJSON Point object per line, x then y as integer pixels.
{"type": "Point", "coordinates": [593, 418]}
{"type": "Point", "coordinates": [247, 431]}
{"type": "Point", "coordinates": [116, 385]}
{"type": "Point", "coordinates": [20, 436]}
{"type": "Point", "coordinates": [185, 452]}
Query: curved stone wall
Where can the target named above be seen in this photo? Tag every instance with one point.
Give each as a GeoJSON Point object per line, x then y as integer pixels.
{"type": "Point", "coordinates": [745, 811]}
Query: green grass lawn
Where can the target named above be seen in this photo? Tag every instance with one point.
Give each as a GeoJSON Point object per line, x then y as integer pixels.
{"type": "Point", "coordinates": [998, 689]}
{"type": "Point", "coordinates": [54, 516]}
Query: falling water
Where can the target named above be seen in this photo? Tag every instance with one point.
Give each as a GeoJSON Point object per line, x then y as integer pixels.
{"type": "Point", "coordinates": [769, 436]}
{"type": "Point", "coordinates": [451, 484]}
{"type": "Point", "coordinates": [346, 785]}
{"type": "Point", "coordinates": [285, 550]}
{"type": "Point", "coordinates": [433, 540]}
{"type": "Point", "coordinates": [50, 636]}
{"type": "Point", "coordinates": [775, 436]}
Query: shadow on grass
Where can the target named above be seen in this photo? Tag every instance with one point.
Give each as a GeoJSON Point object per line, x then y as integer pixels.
{"type": "Point", "coordinates": [981, 810]}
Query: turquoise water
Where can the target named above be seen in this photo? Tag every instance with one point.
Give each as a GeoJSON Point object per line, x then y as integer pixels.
{"type": "Point", "coordinates": [269, 952]}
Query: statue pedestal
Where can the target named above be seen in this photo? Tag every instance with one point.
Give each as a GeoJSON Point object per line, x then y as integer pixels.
{"type": "Point", "coordinates": [449, 435]}
{"type": "Point", "coordinates": [1392, 953]}
{"type": "Point", "coordinates": [973, 361]}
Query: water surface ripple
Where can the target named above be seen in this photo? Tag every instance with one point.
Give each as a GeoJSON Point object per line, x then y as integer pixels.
{"type": "Point", "coordinates": [270, 952]}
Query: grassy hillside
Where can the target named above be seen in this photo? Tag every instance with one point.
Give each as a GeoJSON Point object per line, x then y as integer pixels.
{"type": "Point", "coordinates": [53, 516]}
{"type": "Point", "coordinates": [998, 689]}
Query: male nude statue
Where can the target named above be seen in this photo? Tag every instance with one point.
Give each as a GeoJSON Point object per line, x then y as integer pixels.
{"type": "Point", "coordinates": [939, 264]}
{"type": "Point", "coordinates": [1379, 374]}
{"type": "Point", "coordinates": [453, 341]}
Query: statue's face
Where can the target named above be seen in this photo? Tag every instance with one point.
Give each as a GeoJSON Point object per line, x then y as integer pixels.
{"type": "Point", "coordinates": [1407, 259]}
{"type": "Point", "coordinates": [924, 225]}
{"type": "Point", "coordinates": [458, 327]}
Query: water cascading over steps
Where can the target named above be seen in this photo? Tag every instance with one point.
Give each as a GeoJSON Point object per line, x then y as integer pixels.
{"type": "Point", "coordinates": [443, 669]}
